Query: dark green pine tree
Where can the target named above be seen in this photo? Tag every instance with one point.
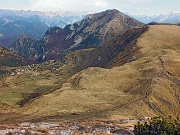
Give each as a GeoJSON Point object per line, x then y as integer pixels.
{"type": "Point", "coordinates": [158, 126]}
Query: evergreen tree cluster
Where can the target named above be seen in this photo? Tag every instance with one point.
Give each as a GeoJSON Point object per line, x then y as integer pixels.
{"type": "Point", "coordinates": [158, 126]}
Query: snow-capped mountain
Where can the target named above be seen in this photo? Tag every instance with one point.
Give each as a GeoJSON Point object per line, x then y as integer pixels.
{"type": "Point", "coordinates": [49, 18]}
{"type": "Point", "coordinates": [163, 18]}
{"type": "Point", "coordinates": [169, 18]}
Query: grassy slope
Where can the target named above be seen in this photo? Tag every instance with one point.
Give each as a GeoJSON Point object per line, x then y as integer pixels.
{"type": "Point", "coordinates": [8, 61]}
{"type": "Point", "coordinates": [8, 58]}
{"type": "Point", "coordinates": [147, 86]}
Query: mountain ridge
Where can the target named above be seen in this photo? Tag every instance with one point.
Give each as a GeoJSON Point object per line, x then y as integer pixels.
{"type": "Point", "coordinates": [89, 33]}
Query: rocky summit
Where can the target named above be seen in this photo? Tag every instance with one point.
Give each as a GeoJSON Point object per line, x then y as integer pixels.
{"type": "Point", "coordinates": [96, 29]}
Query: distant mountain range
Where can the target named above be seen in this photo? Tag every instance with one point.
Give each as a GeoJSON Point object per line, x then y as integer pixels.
{"type": "Point", "coordinates": [163, 18]}
{"type": "Point", "coordinates": [10, 30]}
{"type": "Point", "coordinates": [48, 18]}
{"type": "Point", "coordinates": [15, 23]}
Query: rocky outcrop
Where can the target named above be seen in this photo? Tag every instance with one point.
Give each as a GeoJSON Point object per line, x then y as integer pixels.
{"type": "Point", "coordinates": [29, 48]}
{"type": "Point", "coordinates": [96, 29]}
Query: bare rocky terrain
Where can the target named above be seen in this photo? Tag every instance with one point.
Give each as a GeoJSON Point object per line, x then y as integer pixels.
{"type": "Point", "coordinates": [118, 127]}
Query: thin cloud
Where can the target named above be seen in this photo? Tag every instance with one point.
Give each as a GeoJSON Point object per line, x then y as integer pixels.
{"type": "Point", "coordinates": [101, 3]}
{"type": "Point", "coordinates": [140, 1]}
{"type": "Point", "coordinates": [81, 4]}
{"type": "Point", "coordinates": [69, 4]}
{"type": "Point", "coordinates": [130, 6]}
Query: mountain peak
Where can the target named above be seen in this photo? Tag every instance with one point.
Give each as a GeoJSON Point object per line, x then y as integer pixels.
{"type": "Point", "coordinates": [112, 11]}
{"type": "Point", "coordinates": [98, 27]}
{"type": "Point", "coordinates": [91, 32]}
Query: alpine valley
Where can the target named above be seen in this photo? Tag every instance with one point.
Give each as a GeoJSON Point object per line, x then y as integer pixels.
{"type": "Point", "coordinates": [106, 67]}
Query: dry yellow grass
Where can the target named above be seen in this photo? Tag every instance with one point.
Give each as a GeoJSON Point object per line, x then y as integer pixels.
{"type": "Point", "coordinates": [148, 86]}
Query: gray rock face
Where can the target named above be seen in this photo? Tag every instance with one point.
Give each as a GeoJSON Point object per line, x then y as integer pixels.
{"type": "Point", "coordinates": [29, 48]}
{"type": "Point", "coordinates": [95, 29]}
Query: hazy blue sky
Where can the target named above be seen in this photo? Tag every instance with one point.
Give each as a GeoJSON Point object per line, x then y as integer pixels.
{"type": "Point", "coordinates": [140, 7]}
